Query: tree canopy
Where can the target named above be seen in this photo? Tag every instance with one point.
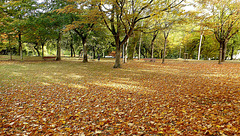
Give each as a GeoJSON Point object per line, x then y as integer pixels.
{"type": "Point", "coordinates": [208, 26]}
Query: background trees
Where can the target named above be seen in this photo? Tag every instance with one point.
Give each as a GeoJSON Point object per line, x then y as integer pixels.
{"type": "Point", "coordinates": [223, 19]}
{"type": "Point", "coordinates": [99, 27]}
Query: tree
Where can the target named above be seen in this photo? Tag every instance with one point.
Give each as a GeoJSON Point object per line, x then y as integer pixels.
{"type": "Point", "coordinates": [40, 29]}
{"type": "Point", "coordinates": [169, 19]}
{"type": "Point", "coordinates": [83, 18]}
{"type": "Point", "coordinates": [121, 17]}
{"type": "Point", "coordinates": [19, 11]}
{"type": "Point", "coordinates": [233, 45]}
{"type": "Point", "coordinates": [223, 18]}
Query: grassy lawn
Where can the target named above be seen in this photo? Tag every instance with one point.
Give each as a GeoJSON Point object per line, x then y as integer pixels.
{"type": "Point", "coordinates": [141, 98]}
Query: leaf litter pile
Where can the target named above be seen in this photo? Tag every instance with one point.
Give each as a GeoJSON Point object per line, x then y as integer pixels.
{"type": "Point", "coordinates": [141, 98]}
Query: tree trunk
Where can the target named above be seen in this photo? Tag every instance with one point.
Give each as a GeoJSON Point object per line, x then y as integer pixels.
{"type": "Point", "coordinates": [42, 50]}
{"type": "Point", "coordinates": [85, 58]}
{"type": "Point", "coordinates": [74, 53]}
{"type": "Point", "coordinates": [199, 49]}
{"type": "Point", "coordinates": [139, 48]}
{"type": "Point", "coordinates": [164, 50]}
{"type": "Point", "coordinates": [59, 47]}
{"type": "Point", "coordinates": [180, 52]}
{"type": "Point", "coordinates": [71, 46]}
{"type": "Point", "coordinates": [36, 48]}
{"type": "Point", "coordinates": [20, 46]}
{"type": "Point", "coordinates": [161, 53]}
{"type": "Point", "coordinates": [72, 50]}
{"type": "Point", "coordinates": [232, 52]}
{"type": "Point", "coordinates": [152, 43]}
{"type": "Point", "coordinates": [224, 50]}
{"type": "Point", "coordinates": [9, 41]}
{"type": "Point", "coordinates": [94, 53]}
{"type": "Point", "coordinates": [118, 50]}
{"type": "Point", "coordinates": [125, 52]}
{"type": "Point", "coordinates": [131, 49]}
{"type": "Point", "coordinates": [152, 52]}
{"type": "Point", "coordinates": [140, 42]}
{"type": "Point", "coordinates": [220, 53]}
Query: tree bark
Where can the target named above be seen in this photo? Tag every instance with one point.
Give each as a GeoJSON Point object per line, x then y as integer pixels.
{"type": "Point", "coordinates": [164, 50]}
{"type": "Point", "coordinates": [161, 53]}
{"type": "Point", "coordinates": [224, 50]}
{"type": "Point", "coordinates": [232, 52]}
{"type": "Point", "coordinates": [85, 59]}
{"type": "Point", "coordinates": [220, 53]}
{"type": "Point", "coordinates": [20, 46]}
{"type": "Point", "coordinates": [71, 46]}
{"type": "Point", "coordinates": [72, 50]}
{"type": "Point", "coordinates": [42, 50]}
{"type": "Point", "coordinates": [59, 47]}
{"type": "Point", "coordinates": [9, 41]}
{"type": "Point", "coordinates": [199, 49]}
{"type": "Point", "coordinates": [84, 40]}
{"type": "Point", "coordinates": [125, 52]}
{"type": "Point", "coordinates": [118, 49]}
{"type": "Point", "coordinates": [94, 53]}
{"type": "Point", "coordinates": [152, 43]}
{"type": "Point", "coordinates": [36, 48]}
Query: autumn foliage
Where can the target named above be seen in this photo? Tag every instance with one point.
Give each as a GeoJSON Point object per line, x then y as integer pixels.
{"type": "Point", "coordinates": [141, 98]}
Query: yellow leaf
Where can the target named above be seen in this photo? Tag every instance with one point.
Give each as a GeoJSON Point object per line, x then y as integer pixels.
{"type": "Point", "coordinates": [68, 129]}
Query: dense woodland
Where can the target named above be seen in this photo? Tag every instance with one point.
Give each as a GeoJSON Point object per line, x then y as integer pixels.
{"type": "Point", "coordinates": [196, 29]}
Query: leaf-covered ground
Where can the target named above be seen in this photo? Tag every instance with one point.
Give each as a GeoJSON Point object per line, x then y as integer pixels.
{"type": "Point", "coordinates": [141, 98]}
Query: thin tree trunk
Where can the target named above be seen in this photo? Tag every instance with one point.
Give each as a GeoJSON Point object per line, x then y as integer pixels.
{"type": "Point", "coordinates": [85, 58]}
{"type": "Point", "coordinates": [232, 52]}
{"type": "Point", "coordinates": [20, 46]}
{"type": "Point", "coordinates": [199, 49]}
{"type": "Point", "coordinates": [180, 52]}
{"type": "Point", "coordinates": [72, 50]}
{"type": "Point", "coordinates": [140, 44]}
{"type": "Point", "coordinates": [152, 43]}
{"type": "Point", "coordinates": [36, 48]}
{"type": "Point", "coordinates": [94, 53]}
{"type": "Point", "coordinates": [74, 53]}
{"type": "Point", "coordinates": [59, 47]}
{"type": "Point", "coordinates": [152, 51]}
{"type": "Point", "coordinates": [118, 49]}
{"type": "Point", "coordinates": [9, 41]}
{"type": "Point", "coordinates": [224, 50]}
{"type": "Point", "coordinates": [164, 50]}
{"type": "Point", "coordinates": [126, 53]}
{"type": "Point", "coordinates": [134, 49]}
{"type": "Point", "coordinates": [220, 54]}
{"type": "Point", "coordinates": [71, 46]}
{"type": "Point", "coordinates": [161, 53]}
{"type": "Point", "coordinates": [42, 50]}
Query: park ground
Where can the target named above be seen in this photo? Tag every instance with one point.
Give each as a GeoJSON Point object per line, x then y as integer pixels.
{"type": "Point", "coordinates": [140, 98]}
